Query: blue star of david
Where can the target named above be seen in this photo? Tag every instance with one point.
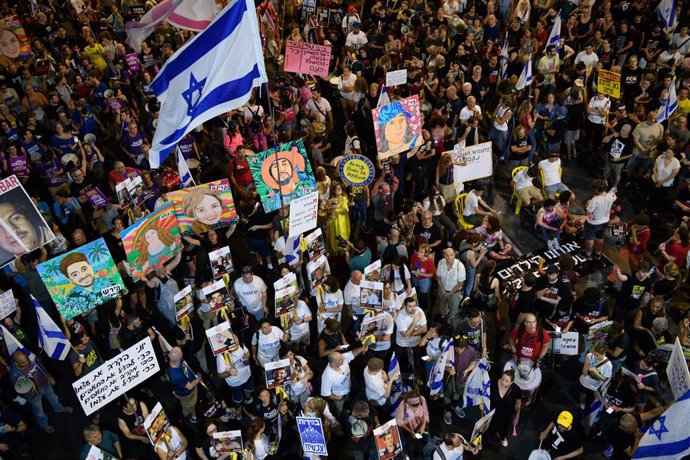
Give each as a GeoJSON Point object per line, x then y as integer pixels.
{"type": "Point", "coordinates": [486, 388]}
{"type": "Point", "coordinates": [193, 94]}
{"type": "Point", "coordinates": [658, 432]}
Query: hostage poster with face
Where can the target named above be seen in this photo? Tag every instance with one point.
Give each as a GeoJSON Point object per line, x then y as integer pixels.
{"type": "Point", "coordinates": [82, 279]}
{"type": "Point", "coordinates": [282, 174]}
{"type": "Point", "coordinates": [203, 207]}
{"type": "Point", "coordinates": [397, 127]}
{"type": "Point", "coordinates": [14, 44]}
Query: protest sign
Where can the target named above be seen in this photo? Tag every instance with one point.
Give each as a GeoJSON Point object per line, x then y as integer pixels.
{"type": "Point", "coordinates": [317, 271]}
{"type": "Point", "coordinates": [13, 35]}
{"type": "Point", "coordinates": [373, 271]}
{"type": "Point", "coordinates": [396, 77]}
{"type": "Point", "coordinates": [220, 338]}
{"type": "Point", "coordinates": [370, 294]}
{"type": "Point", "coordinates": [227, 441]}
{"type": "Point", "coordinates": [285, 300]}
{"type": "Point", "coordinates": [137, 190]}
{"type": "Point", "coordinates": [203, 207]}
{"type": "Point", "coordinates": [481, 426]}
{"type": "Point", "coordinates": [221, 262]}
{"type": "Point", "coordinates": [307, 58]}
{"type": "Point", "coordinates": [478, 163]}
{"type": "Point", "coordinates": [132, 60]}
{"type": "Point", "coordinates": [7, 304]}
{"type": "Point", "coordinates": [677, 371]}
{"type": "Point", "coordinates": [303, 214]}
{"type": "Point", "coordinates": [282, 174]}
{"type": "Point", "coordinates": [322, 15]}
{"type": "Point", "coordinates": [397, 127]}
{"type": "Point", "coordinates": [308, 6]}
{"type": "Point", "coordinates": [278, 373]}
{"type": "Point", "coordinates": [371, 325]}
{"type": "Point", "coordinates": [122, 193]}
{"type": "Point", "coordinates": [316, 244]}
{"type": "Point", "coordinates": [184, 303]}
{"type": "Point", "coordinates": [152, 241]}
{"type": "Point", "coordinates": [156, 424]}
{"type": "Point", "coordinates": [566, 343]}
{"type": "Point", "coordinates": [458, 150]}
{"type": "Point", "coordinates": [116, 376]}
{"type": "Point", "coordinates": [22, 227]}
{"type": "Point", "coordinates": [97, 454]}
{"type": "Point", "coordinates": [96, 197]}
{"type": "Point", "coordinates": [19, 165]}
{"type": "Point", "coordinates": [387, 440]}
{"type": "Point", "coordinates": [356, 170]}
{"type": "Point", "coordinates": [217, 296]}
{"type": "Point", "coordinates": [81, 279]}
{"type": "Point", "coordinates": [311, 435]}
{"type": "Point", "coordinates": [609, 83]}
{"type": "Point", "coordinates": [288, 280]}
{"type": "Point", "coordinates": [599, 331]}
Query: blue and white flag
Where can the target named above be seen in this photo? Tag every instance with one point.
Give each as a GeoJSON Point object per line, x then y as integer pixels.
{"type": "Point", "coordinates": [183, 170]}
{"type": "Point", "coordinates": [669, 105]}
{"type": "Point", "coordinates": [447, 358]}
{"type": "Point", "coordinates": [397, 387]}
{"type": "Point", "coordinates": [384, 99]}
{"type": "Point", "coordinates": [593, 415]}
{"type": "Point", "coordinates": [312, 437]}
{"type": "Point", "coordinates": [13, 344]}
{"type": "Point", "coordinates": [668, 438]}
{"type": "Point", "coordinates": [555, 35]}
{"type": "Point", "coordinates": [478, 387]}
{"type": "Point", "coordinates": [666, 12]}
{"type": "Point", "coordinates": [503, 58]}
{"type": "Point", "coordinates": [212, 74]}
{"type": "Point", "coordinates": [526, 75]}
{"type": "Point", "coordinates": [50, 336]}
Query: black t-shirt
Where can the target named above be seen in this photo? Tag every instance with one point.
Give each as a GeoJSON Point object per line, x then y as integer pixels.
{"type": "Point", "coordinates": [524, 302]}
{"type": "Point", "coordinates": [632, 291]}
{"type": "Point", "coordinates": [517, 142]}
{"type": "Point", "coordinates": [631, 82]}
{"type": "Point", "coordinates": [587, 311]}
{"type": "Point", "coordinates": [619, 147]}
{"type": "Point", "coordinates": [562, 443]}
{"type": "Point", "coordinates": [478, 87]}
{"type": "Point", "coordinates": [506, 404]}
{"type": "Point", "coordinates": [576, 116]}
{"type": "Point", "coordinates": [76, 190]}
{"type": "Point", "coordinates": [426, 235]}
{"type": "Point", "coordinates": [621, 341]}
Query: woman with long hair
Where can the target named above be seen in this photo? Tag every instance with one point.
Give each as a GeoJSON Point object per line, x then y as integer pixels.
{"type": "Point", "coordinates": [154, 245]}
{"type": "Point", "coordinates": [398, 274]}
{"type": "Point", "coordinates": [526, 120]}
{"type": "Point", "coordinates": [506, 402]}
{"type": "Point", "coordinates": [445, 181]}
{"type": "Point", "coordinates": [435, 203]}
{"type": "Point", "coordinates": [255, 441]}
{"type": "Point", "coordinates": [491, 233]}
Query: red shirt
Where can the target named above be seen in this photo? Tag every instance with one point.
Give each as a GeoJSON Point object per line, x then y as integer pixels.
{"type": "Point", "coordinates": [678, 252]}
{"type": "Point", "coordinates": [240, 170]}
{"type": "Point", "coordinates": [529, 346]}
{"type": "Point", "coordinates": [115, 177]}
{"type": "Point", "coordinates": [426, 267]}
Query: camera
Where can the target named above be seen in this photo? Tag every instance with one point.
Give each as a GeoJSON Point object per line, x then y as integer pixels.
{"type": "Point", "coordinates": [342, 242]}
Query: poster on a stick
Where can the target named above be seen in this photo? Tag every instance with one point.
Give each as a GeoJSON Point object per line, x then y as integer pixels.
{"type": "Point", "coordinates": [311, 435]}
{"type": "Point", "coordinates": [477, 163]}
{"type": "Point", "coordinates": [206, 206]}
{"type": "Point", "coordinates": [303, 214]}
{"type": "Point", "coordinates": [397, 127]}
{"type": "Point", "coordinates": [7, 304]}
{"type": "Point", "coordinates": [396, 78]}
{"type": "Point", "coordinates": [677, 371]}
{"type": "Point", "coordinates": [307, 58]}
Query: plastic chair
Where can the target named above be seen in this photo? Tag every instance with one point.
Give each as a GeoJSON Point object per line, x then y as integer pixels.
{"type": "Point", "coordinates": [543, 187]}
{"type": "Point", "coordinates": [459, 209]}
{"type": "Point", "coordinates": [515, 196]}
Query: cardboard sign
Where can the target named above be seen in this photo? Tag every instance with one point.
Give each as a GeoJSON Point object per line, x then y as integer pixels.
{"type": "Point", "coordinates": [221, 262]}
{"type": "Point", "coordinates": [396, 77]}
{"type": "Point", "coordinates": [17, 42]}
{"type": "Point", "coordinates": [303, 214]}
{"type": "Point", "coordinates": [217, 296]}
{"type": "Point", "coordinates": [373, 271]}
{"type": "Point", "coordinates": [599, 331]}
{"type": "Point", "coordinates": [481, 426]}
{"type": "Point", "coordinates": [97, 454]}
{"type": "Point", "coordinates": [227, 441]}
{"type": "Point", "coordinates": [96, 197]}
{"type": "Point", "coordinates": [220, 338]}
{"type": "Point", "coordinates": [677, 371]}
{"type": "Point", "coordinates": [609, 83]}
{"type": "Point", "coordinates": [132, 60]}
{"type": "Point", "coordinates": [566, 344]}
{"type": "Point", "coordinates": [322, 15]}
{"type": "Point", "coordinates": [307, 58]}
{"type": "Point", "coordinates": [316, 245]}
{"type": "Point", "coordinates": [370, 294]}
{"type": "Point", "coordinates": [286, 300]}
{"type": "Point", "coordinates": [116, 376]}
{"type": "Point", "coordinates": [406, 123]}
{"type": "Point", "coordinates": [356, 170]}
{"type": "Point", "coordinates": [184, 303]}
{"type": "Point", "coordinates": [387, 440]}
{"type": "Point", "coordinates": [371, 325]}
{"type": "Point", "coordinates": [7, 304]}
{"type": "Point", "coordinates": [478, 163]}
{"type": "Point", "coordinates": [311, 435]}
{"type": "Point", "coordinates": [317, 270]}
{"type": "Point", "coordinates": [278, 373]}
{"type": "Point", "coordinates": [156, 424]}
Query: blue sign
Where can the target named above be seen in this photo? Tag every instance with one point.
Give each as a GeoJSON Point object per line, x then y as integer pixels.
{"type": "Point", "coordinates": [311, 434]}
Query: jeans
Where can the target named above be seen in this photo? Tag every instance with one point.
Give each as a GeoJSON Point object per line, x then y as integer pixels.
{"type": "Point", "coordinates": [423, 288]}
{"type": "Point", "coordinates": [238, 393]}
{"type": "Point", "coordinates": [469, 281]}
{"type": "Point", "coordinates": [551, 190]}
{"type": "Point", "coordinates": [500, 139]}
{"type": "Point", "coordinates": [547, 234]}
{"type": "Point", "coordinates": [36, 403]}
{"type": "Point", "coordinates": [532, 142]}
{"type": "Point", "coordinates": [635, 162]}
{"type": "Point", "coordinates": [359, 212]}
{"type": "Point", "coordinates": [449, 305]}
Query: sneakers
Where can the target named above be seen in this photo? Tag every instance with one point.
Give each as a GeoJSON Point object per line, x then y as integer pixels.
{"type": "Point", "coordinates": [465, 302]}
{"type": "Point", "coordinates": [504, 442]}
{"type": "Point", "coordinates": [459, 411]}
{"type": "Point", "coordinates": [193, 419]}
{"type": "Point", "coordinates": [549, 244]}
{"type": "Point", "coordinates": [48, 429]}
{"type": "Point", "coordinates": [556, 244]}
{"type": "Point", "coordinates": [608, 452]}
{"type": "Point", "coordinates": [448, 418]}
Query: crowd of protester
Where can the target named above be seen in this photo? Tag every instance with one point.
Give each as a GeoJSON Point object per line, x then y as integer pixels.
{"type": "Point", "coordinates": [446, 246]}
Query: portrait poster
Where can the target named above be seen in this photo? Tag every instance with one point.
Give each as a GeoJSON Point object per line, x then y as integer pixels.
{"type": "Point", "coordinates": [481, 426]}
{"type": "Point", "coordinates": [156, 424]}
{"type": "Point", "coordinates": [81, 279]}
{"type": "Point", "coordinates": [14, 43]}
{"type": "Point", "coordinates": [203, 207]}
{"type": "Point", "coordinates": [370, 294]}
{"type": "Point", "coordinates": [227, 441]}
{"type": "Point", "coordinates": [97, 454]}
{"type": "Point", "coordinates": [316, 269]}
{"type": "Point", "coordinates": [7, 304]}
{"type": "Point", "coordinates": [397, 127]}
{"type": "Point", "coordinates": [316, 245]}
{"type": "Point", "coordinates": [286, 300]}
{"type": "Point", "coordinates": [123, 193]}
{"type": "Point", "coordinates": [387, 440]}
{"type": "Point", "coordinates": [288, 280]}
{"type": "Point", "coordinates": [184, 303]}
{"type": "Point", "coordinates": [220, 338]}
{"type": "Point", "coordinates": [282, 174]}
{"type": "Point", "coordinates": [137, 190]}
{"type": "Point", "coordinates": [371, 325]}
{"type": "Point", "coordinates": [311, 435]}
{"type": "Point", "coordinates": [152, 241]}
{"type": "Point", "coordinates": [599, 331]}
{"type": "Point", "coordinates": [221, 262]}
{"type": "Point", "coordinates": [372, 272]}
{"type": "Point", "coordinates": [22, 226]}
{"type": "Point", "coordinates": [218, 296]}
{"type": "Point", "coordinates": [278, 373]}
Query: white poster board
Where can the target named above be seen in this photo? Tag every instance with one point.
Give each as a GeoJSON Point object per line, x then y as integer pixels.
{"type": "Point", "coordinates": [567, 344]}
{"type": "Point", "coordinates": [396, 77]}
{"type": "Point", "coordinates": [7, 304]}
{"type": "Point", "coordinates": [677, 371]}
{"type": "Point", "coordinates": [478, 164]}
{"type": "Point", "coordinates": [116, 376]}
{"type": "Point", "coordinates": [481, 426]}
{"type": "Point", "coordinates": [303, 214]}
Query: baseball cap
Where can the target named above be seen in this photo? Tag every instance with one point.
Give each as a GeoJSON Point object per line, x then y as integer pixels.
{"type": "Point", "coordinates": [565, 419]}
{"type": "Point", "coordinates": [352, 9]}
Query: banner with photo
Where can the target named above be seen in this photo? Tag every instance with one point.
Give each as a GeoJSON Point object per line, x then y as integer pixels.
{"type": "Point", "coordinates": [203, 207]}
{"type": "Point", "coordinates": [184, 303]}
{"type": "Point", "coordinates": [218, 296]}
{"type": "Point", "coordinates": [220, 338]}
{"type": "Point", "coordinates": [387, 440]}
{"type": "Point", "coordinates": [278, 373]}
{"type": "Point", "coordinates": [372, 272]}
{"type": "Point", "coordinates": [316, 245]}
{"type": "Point", "coordinates": [152, 241]}
{"type": "Point", "coordinates": [371, 325]}
{"type": "Point", "coordinates": [221, 262]}
{"type": "Point", "coordinates": [286, 300]}
{"type": "Point", "coordinates": [14, 43]}
{"type": "Point", "coordinates": [370, 294]}
{"type": "Point", "coordinates": [82, 279]}
{"type": "Point", "coordinates": [282, 174]}
{"type": "Point", "coordinates": [317, 271]}
{"type": "Point", "coordinates": [22, 227]}
{"type": "Point", "coordinates": [227, 441]}
{"type": "Point", "coordinates": [397, 127]}
{"type": "Point", "coordinates": [157, 424]}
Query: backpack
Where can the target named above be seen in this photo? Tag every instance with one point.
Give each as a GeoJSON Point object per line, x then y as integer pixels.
{"type": "Point", "coordinates": [256, 124]}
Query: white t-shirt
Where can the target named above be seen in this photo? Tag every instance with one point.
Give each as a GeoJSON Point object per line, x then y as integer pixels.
{"type": "Point", "coordinates": [466, 113]}
{"type": "Point", "coordinates": [387, 327]}
{"type": "Point", "coordinates": [375, 387]}
{"type": "Point", "coordinates": [596, 103]}
{"type": "Point", "coordinates": [356, 41]}
{"type": "Point", "coordinates": [499, 114]}
{"type": "Point", "coordinates": [522, 180]}
{"type": "Point", "coordinates": [599, 208]}
{"type": "Point", "coordinates": [351, 297]}
{"type": "Point", "coordinates": [267, 345]}
{"type": "Point", "coordinates": [552, 173]}
{"type": "Point", "coordinates": [590, 60]}
{"type": "Point", "coordinates": [297, 331]}
{"type": "Point", "coordinates": [682, 42]}
{"type": "Point", "coordinates": [330, 300]}
{"type": "Point", "coordinates": [298, 387]}
{"type": "Point", "coordinates": [250, 295]}
{"type": "Point", "coordinates": [244, 371]}
{"type": "Point", "coordinates": [450, 276]}
{"type": "Point", "coordinates": [318, 109]}
{"type": "Point", "coordinates": [337, 381]}
{"type": "Point", "coordinates": [454, 454]}
{"type": "Point", "coordinates": [471, 202]}
{"type": "Point", "coordinates": [605, 370]}
{"type": "Point", "coordinates": [350, 82]}
{"type": "Point", "coordinates": [664, 171]}
{"type": "Point", "coordinates": [403, 322]}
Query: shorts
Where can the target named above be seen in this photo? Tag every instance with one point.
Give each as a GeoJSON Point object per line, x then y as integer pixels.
{"type": "Point", "coordinates": [594, 232]}
{"type": "Point", "coordinates": [571, 136]}
{"type": "Point", "coordinates": [529, 192]}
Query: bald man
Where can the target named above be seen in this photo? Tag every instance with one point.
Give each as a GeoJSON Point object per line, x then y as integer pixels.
{"type": "Point", "coordinates": [529, 341]}
{"type": "Point", "coordinates": [184, 382]}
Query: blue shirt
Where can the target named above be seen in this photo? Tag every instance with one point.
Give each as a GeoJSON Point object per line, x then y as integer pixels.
{"type": "Point", "coordinates": [179, 378]}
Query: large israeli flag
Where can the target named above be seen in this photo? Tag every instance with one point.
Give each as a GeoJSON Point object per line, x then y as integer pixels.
{"type": "Point", "coordinates": [397, 387]}
{"type": "Point", "coordinates": [666, 12]}
{"type": "Point", "coordinates": [668, 438]}
{"type": "Point", "coordinates": [477, 390]}
{"type": "Point", "coordinates": [13, 344]}
{"type": "Point", "coordinates": [555, 35]}
{"type": "Point", "coordinates": [435, 382]}
{"type": "Point", "coordinates": [210, 75]}
{"type": "Point", "coordinates": [526, 75]}
{"type": "Point", "coordinates": [50, 336]}
{"type": "Point", "coordinates": [669, 104]}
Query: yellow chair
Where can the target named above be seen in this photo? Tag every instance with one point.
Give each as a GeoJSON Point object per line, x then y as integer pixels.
{"type": "Point", "coordinates": [459, 209]}
{"type": "Point", "coordinates": [515, 196]}
{"type": "Point", "coordinates": [543, 187]}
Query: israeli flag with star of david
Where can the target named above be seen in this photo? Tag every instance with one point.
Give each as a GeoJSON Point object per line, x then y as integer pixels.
{"type": "Point", "coordinates": [668, 438]}
{"type": "Point", "coordinates": [213, 73]}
